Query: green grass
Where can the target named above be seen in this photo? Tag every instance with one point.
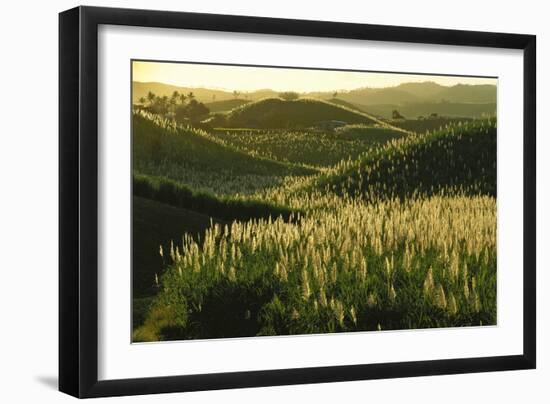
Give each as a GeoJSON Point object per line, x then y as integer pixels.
{"type": "Point", "coordinates": [247, 282]}
{"type": "Point", "coordinates": [154, 224]}
{"type": "Point", "coordinates": [396, 230]}
{"type": "Point", "coordinates": [275, 113]}
{"type": "Point", "coordinates": [428, 124]}
{"type": "Point", "coordinates": [458, 159]}
{"type": "Point", "coordinates": [229, 208]}
{"type": "Point", "coordinates": [199, 160]}
{"type": "Point", "coordinates": [311, 148]}
{"type": "Point", "coordinates": [225, 106]}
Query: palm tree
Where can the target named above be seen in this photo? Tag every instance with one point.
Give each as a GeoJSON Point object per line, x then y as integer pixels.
{"type": "Point", "coordinates": [164, 101]}
{"type": "Point", "coordinates": [183, 97]}
{"type": "Point", "coordinates": [236, 94]}
{"type": "Point", "coordinates": [190, 96]}
{"type": "Point", "coordinates": [142, 100]}
{"type": "Point", "coordinates": [151, 97]}
{"type": "Point", "coordinates": [174, 99]}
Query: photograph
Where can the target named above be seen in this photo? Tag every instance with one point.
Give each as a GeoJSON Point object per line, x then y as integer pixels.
{"type": "Point", "coordinates": [277, 200]}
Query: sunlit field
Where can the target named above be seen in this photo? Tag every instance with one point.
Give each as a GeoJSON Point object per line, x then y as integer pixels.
{"type": "Point", "coordinates": [299, 216]}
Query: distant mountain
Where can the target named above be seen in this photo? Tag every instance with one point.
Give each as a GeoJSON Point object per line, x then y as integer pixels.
{"type": "Point", "coordinates": [372, 96]}
{"type": "Point", "coordinates": [418, 98]}
{"type": "Point", "coordinates": [140, 89]}
{"type": "Point", "coordinates": [485, 93]}
{"type": "Point", "coordinates": [206, 95]}
{"type": "Point", "coordinates": [425, 89]}
{"type": "Point", "coordinates": [425, 92]}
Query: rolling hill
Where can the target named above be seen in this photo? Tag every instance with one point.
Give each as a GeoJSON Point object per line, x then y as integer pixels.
{"type": "Point", "coordinates": [423, 92]}
{"type": "Point", "coordinates": [141, 89]}
{"type": "Point", "coordinates": [451, 109]}
{"type": "Point", "coordinates": [416, 98]}
{"type": "Point", "coordinates": [206, 95]}
{"type": "Point", "coordinates": [224, 106]}
{"type": "Point", "coordinates": [460, 158]}
{"type": "Point", "coordinates": [194, 149]}
{"type": "Point", "coordinates": [275, 113]}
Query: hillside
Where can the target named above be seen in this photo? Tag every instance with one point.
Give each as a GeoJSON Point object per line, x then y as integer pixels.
{"type": "Point", "coordinates": [459, 158]}
{"type": "Point", "coordinates": [424, 92]}
{"type": "Point", "coordinates": [463, 93]}
{"type": "Point", "coordinates": [311, 148]}
{"type": "Point", "coordinates": [140, 89]}
{"type": "Point", "coordinates": [275, 113]}
{"type": "Point", "coordinates": [191, 148]}
{"type": "Point", "coordinates": [206, 95]}
{"type": "Point", "coordinates": [154, 224]}
{"type": "Point", "coordinates": [451, 109]}
{"type": "Point", "coordinates": [345, 104]}
{"type": "Point", "coordinates": [202, 162]}
{"type": "Point", "coordinates": [404, 93]}
{"type": "Point", "coordinates": [372, 96]}
{"type": "Point", "coordinates": [224, 106]}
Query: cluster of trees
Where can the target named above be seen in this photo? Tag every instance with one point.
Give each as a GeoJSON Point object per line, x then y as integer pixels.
{"type": "Point", "coordinates": [179, 106]}
{"type": "Point", "coordinates": [289, 95]}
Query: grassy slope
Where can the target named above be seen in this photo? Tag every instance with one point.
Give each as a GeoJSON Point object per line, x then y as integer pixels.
{"type": "Point", "coordinates": [277, 113]}
{"type": "Point", "coordinates": [156, 223]}
{"type": "Point", "coordinates": [413, 110]}
{"type": "Point", "coordinates": [257, 303]}
{"type": "Point", "coordinates": [311, 148]}
{"type": "Point", "coordinates": [224, 106]}
{"type": "Point", "coordinates": [462, 156]}
{"type": "Point", "coordinates": [229, 208]}
{"type": "Point", "coordinates": [345, 104]}
{"type": "Point", "coordinates": [158, 146]}
{"type": "Point", "coordinates": [429, 124]}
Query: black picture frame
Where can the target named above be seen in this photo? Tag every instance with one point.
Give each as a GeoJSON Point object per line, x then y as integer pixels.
{"type": "Point", "coordinates": [78, 201]}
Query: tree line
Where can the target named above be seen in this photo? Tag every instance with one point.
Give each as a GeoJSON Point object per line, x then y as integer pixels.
{"type": "Point", "coordinates": [181, 107]}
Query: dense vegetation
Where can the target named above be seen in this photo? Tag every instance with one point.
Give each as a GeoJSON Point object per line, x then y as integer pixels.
{"type": "Point", "coordinates": [312, 148]}
{"type": "Point", "coordinates": [416, 109]}
{"type": "Point", "coordinates": [460, 159]}
{"type": "Point", "coordinates": [426, 124]}
{"type": "Point", "coordinates": [199, 160]}
{"type": "Point", "coordinates": [276, 113]}
{"type": "Point", "coordinates": [425, 263]}
{"type": "Point", "coordinates": [365, 226]}
{"type": "Point", "coordinates": [229, 208]}
{"type": "Point", "coordinates": [225, 106]}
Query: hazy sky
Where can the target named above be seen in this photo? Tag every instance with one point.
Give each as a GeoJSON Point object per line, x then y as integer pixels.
{"type": "Point", "coordinates": [244, 78]}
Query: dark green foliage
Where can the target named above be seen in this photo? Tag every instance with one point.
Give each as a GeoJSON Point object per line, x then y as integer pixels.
{"type": "Point", "coordinates": [314, 148]}
{"type": "Point", "coordinates": [276, 113]}
{"type": "Point", "coordinates": [289, 95]}
{"type": "Point", "coordinates": [205, 300]}
{"type": "Point", "coordinates": [258, 303]}
{"type": "Point", "coordinates": [460, 158]}
{"type": "Point", "coordinates": [194, 111]}
{"type": "Point", "coordinates": [163, 151]}
{"type": "Point", "coordinates": [451, 109]}
{"type": "Point", "coordinates": [156, 224]}
{"type": "Point", "coordinates": [226, 105]}
{"type": "Point", "coordinates": [173, 193]}
{"type": "Point", "coordinates": [428, 124]}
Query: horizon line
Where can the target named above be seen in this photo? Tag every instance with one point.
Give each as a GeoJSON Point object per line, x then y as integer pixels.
{"type": "Point", "coordinates": [225, 89]}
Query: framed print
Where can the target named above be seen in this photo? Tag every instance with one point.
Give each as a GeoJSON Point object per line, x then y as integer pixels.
{"type": "Point", "coordinates": [250, 201]}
